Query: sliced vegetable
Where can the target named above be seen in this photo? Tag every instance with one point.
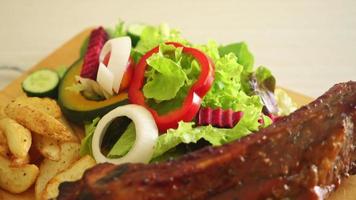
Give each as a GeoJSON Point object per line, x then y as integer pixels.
{"type": "Point", "coordinates": [97, 39]}
{"type": "Point", "coordinates": [41, 83]}
{"type": "Point", "coordinates": [188, 133]}
{"type": "Point", "coordinates": [218, 117]}
{"type": "Point", "coordinates": [194, 96]}
{"type": "Point", "coordinates": [105, 79]}
{"type": "Point", "coordinates": [146, 135]}
{"type": "Point", "coordinates": [119, 49]}
{"type": "Point", "coordinates": [76, 107]}
{"type": "Point", "coordinates": [128, 74]}
{"type": "Point", "coordinates": [127, 77]}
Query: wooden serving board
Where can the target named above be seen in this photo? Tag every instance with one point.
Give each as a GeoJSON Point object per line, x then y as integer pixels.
{"type": "Point", "coordinates": [68, 53]}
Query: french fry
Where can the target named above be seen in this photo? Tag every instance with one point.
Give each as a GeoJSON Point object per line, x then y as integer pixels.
{"type": "Point", "coordinates": [48, 147]}
{"type": "Point", "coordinates": [45, 105]}
{"type": "Point", "coordinates": [16, 180]}
{"type": "Point", "coordinates": [50, 168]}
{"type": "Point", "coordinates": [18, 138]}
{"type": "Point", "coordinates": [38, 121]}
{"type": "Point", "coordinates": [73, 173]}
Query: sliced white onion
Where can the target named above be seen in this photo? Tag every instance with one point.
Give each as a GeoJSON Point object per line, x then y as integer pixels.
{"type": "Point", "coordinates": [105, 78]}
{"type": "Point", "coordinates": [146, 135]}
{"type": "Point", "coordinates": [119, 49]}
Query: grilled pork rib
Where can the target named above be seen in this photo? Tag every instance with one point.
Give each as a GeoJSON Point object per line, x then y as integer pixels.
{"type": "Point", "coordinates": [302, 156]}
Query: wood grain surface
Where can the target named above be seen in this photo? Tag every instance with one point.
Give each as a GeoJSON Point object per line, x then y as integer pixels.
{"type": "Point", "coordinates": [68, 53]}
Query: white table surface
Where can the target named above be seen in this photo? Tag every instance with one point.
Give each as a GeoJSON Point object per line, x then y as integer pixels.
{"type": "Point", "coordinates": [308, 44]}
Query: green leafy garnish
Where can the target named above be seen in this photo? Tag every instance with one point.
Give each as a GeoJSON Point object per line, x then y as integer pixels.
{"type": "Point", "coordinates": [169, 76]}
{"type": "Point", "coordinates": [152, 36]}
{"type": "Point", "coordinates": [118, 31]}
{"type": "Point", "coordinates": [124, 144]}
{"type": "Point", "coordinates": [89, 128]}
{"type": "Point", "coordinates": [245, 57]}
{"type": "Point", "coordinates": [165, 78]}
{"type": "Point", "coordinates": [187, 133]}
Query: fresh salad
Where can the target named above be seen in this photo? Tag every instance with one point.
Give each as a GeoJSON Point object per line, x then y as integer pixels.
{"type": "Point", "coordinates": [146, 94]}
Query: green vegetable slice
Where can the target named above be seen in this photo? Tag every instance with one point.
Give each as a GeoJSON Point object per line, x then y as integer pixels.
{"type": "Point", "coordinates": [41, 83]}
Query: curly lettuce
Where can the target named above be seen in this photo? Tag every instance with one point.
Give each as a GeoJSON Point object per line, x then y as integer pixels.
{"type": "Point", "coordinates": [169, 76]}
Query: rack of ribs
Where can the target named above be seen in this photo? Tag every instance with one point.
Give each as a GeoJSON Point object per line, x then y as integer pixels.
{"type": "Point", "coordinates": [301, 156]}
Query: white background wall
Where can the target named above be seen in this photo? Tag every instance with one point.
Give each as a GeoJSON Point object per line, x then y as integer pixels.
{"type": "Point", "coordinates": [308, 44]}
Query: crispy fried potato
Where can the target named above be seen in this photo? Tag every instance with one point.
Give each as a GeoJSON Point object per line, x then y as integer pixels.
{"type": "Point", "coordinates": [45, 105]}
{"type": "Point", "coordinates": [19, 162]}
{"type": "Point", "coordinates": [70, 129]}
{"type": "Point", "coordinates": [16, 180]}
{"type": "Point", "coordinates": [4, 149]}
{"type": "Point", "coordinates": [38, 121]}
{"type": "Point", "coordinates": [50, 168]}
{"type": "Point", "coordinates": [73, 173]}
{"type": "Point", "coordinates": [48, 147]}
{"type": "Point", "coordinates": [18, 137]}
{"type": "Point", "coordinates": [2, 112]}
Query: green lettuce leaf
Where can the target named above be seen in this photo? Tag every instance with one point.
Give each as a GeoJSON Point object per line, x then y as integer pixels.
{"type": "Point", "coordinates": [210, 49]}
{"type": "Point", "coordinates": [124, 144]}
{"type": "Point", "coordinates": [165, 79]}
{"type": "Point", "coordinates": [226, 91]}
{"type": "Point", "coordinates": [89, 128]}
{"type": "Point", "coordinates": [187, 133]}
{"type": "Point", "coordinates": [245, 57]}
{"type": "Point", "coordinates": [169, 76]}
{"type": "Point", "coordinates": [152, 36]}
{"type": "Point", "coordinates": [285, 103]}
{"type": "Point", "coordinates": [118, 31]}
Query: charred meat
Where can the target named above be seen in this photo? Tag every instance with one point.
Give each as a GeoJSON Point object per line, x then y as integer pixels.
{"type": "Point", "coordinates": [302, 156]}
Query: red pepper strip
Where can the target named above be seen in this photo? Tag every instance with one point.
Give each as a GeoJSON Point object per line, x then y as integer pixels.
{"type": "Point", "coordinates": [193, 99]}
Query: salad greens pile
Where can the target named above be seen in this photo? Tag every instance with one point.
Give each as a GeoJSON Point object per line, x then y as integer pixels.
{"type": "Point", "coordinates": [237, 85]}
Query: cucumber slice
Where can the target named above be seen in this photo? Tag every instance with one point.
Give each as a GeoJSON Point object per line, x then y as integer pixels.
{"type": "Point", "coordinates": [41, 83]}
{"type": "Point", "coordinates": [134, 32]}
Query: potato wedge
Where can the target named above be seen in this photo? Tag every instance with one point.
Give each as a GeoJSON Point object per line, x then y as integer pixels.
{"type": "Point", "coordinates": [70, 129]}
{"type": "Point", "coordinates": [45, 105]}
{"type": "Point", "coordinates": [18, 137]}
{"type": "Point", "coordinates": [48, 147]}
{"type": "Point", "coordinates": [19, 162]}
{"type": "Point", "coordinates": [38, 121]}
{"type": "Point", "coordinates": [4, 149]}
{"type": "Point", "coordinates": [2, 112]}
{"type": "Point", "coordinates": [73, 173]}
{"type": "Point", "coordinates": [50, 168]}
{"type": "Point", "coordinates": [16, 180]}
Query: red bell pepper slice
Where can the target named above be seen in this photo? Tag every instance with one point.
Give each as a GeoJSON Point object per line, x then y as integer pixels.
{"type": "Point", "coordinates": [193, 99]}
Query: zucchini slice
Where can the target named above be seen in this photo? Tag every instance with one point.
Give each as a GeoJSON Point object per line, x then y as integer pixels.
{"type": "Point", "coordinates": [41, 83]}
